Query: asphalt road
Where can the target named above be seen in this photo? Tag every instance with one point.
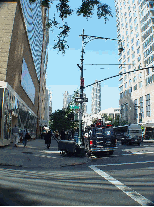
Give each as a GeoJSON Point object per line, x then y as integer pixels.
{"type": "Point", "coordinates": [124, 179]}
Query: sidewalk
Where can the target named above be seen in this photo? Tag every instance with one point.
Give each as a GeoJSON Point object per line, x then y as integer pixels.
{"type": "Point", "coordinates": [148, 141]}
{"type": "Point", "coordinates": [37, 156]}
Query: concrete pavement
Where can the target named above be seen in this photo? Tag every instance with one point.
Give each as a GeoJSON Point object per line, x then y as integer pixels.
{"type": "Point", "coordinates": [36, 156]}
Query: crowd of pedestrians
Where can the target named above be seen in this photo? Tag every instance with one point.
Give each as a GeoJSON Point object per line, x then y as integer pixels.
{"type": "Point", "coordinates": [47, 135]}
{"type": "Point", "coordinates": [23, 134]}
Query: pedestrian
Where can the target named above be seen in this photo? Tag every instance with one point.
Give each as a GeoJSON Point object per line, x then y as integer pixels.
{"type": "Point", "coordinates": [48, 139]}
{"type": "Point", "coordinates": [62, 134]}
{"type": "Point", "coordinates": [25, 137]}
{"type": "Point", "coordinates": [15, 132]}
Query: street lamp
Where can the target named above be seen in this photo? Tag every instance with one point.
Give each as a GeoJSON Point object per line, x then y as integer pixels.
{"type": "Point", "coordinates": [85, 40]}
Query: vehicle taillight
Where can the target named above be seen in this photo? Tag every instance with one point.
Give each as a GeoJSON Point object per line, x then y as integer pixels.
{"type": "Point", "coordinates": [91, 142]}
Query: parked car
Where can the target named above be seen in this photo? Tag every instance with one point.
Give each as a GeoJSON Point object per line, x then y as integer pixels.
{"type": "Point", "coordinates": [129, 140]}
{"type": "Point", "coordinates": [102, 141]}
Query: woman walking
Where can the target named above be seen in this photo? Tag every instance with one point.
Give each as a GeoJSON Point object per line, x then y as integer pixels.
{"type": "Point", "coordinates": [26, 136]}
{"type": "Point", "coordinates": [48, 139]}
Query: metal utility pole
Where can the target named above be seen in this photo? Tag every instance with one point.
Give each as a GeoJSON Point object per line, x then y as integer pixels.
{"type": "Point", "coordinates": [80, 141]}
{"type": "Point", "coordinates": [82, 99]}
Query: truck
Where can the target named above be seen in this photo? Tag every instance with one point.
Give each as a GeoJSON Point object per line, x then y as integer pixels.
{"type": "Point", "coordinates": [133, 135]}
{"type": "Point", "coordinates": [101, 141]}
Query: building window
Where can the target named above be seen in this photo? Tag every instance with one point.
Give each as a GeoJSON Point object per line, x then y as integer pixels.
{"type": "Point", "coordinates": [134, 79]}
{"type": "Point", "coordinates": [140, 84]}
{"type": "Point", "coordinates": [132, 40]}
{"type": "Point", "coordinates": [121, 95]}
{"type": "Point", "coordinates": [130, 89]}
{"type": "Point", "coordinates": [126, 85]}
{"type": "Point", "coordinates": [135, 87]}
{"type": "Point", "coordinates": [139, 58]}
{"type": "Point", "coordinates": [137, 43]}
{"type": "Point", "coordinates": [130, 82]}
{"type": "Point", "coordinates": [135, 109]}
{"type": "Point", "coordinates": [141, 106]}
{"type": "Point", "coordinates": [133, 55]}
{"type": "Point", "coordinates": [148, 105]}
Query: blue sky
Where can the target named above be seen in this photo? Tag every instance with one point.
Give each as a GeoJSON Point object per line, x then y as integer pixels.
{"type": "Point", "coordinates": [63, 73]}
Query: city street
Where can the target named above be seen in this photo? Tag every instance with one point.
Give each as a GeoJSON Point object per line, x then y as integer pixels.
{"type": "Point", "coordinates": [41, 178]}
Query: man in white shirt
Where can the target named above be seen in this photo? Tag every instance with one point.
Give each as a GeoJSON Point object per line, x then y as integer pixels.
{"type": "Point", "coordinates": [15, 132]}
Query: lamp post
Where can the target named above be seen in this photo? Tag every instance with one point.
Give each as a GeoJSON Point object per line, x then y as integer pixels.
{"type": "Point", "coordinates": [85, 40]}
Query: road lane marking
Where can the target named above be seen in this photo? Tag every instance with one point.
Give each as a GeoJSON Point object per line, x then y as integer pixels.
{"type": "Point", "coordinates": [128, 191]}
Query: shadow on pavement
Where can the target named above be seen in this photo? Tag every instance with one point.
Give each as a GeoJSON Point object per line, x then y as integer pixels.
{"type": "Point", "coordinates": [12, 197]}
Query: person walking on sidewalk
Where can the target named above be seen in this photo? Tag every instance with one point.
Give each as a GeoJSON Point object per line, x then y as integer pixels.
{"type": "Point", "coordinates": [48, 139]}
{"type": "Point", "coordinates": [62, 134]}
{"type": "Point", "coordinates": [15, 132]}
{"type": "Point", "coordinates": [25, 137]}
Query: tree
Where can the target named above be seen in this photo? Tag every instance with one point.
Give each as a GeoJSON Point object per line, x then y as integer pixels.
{"type": "Point", "coordinates": [86, 9]}
{"type": "Point", "coordinates": [59, 120]}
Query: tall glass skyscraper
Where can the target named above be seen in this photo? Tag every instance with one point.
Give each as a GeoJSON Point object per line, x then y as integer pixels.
{"type": "Point", "coordinates": [32, 13]}
{"type": "Point", "coordinates": [135, 20]}
{"type": "Point", "coordinates": [24, 38]}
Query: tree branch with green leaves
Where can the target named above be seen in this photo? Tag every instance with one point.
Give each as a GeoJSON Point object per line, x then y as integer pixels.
{"type": "Point", "coordinates": [64, 10]}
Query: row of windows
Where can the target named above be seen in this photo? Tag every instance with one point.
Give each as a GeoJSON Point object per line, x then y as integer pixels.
{"type": "Point", "coordinates": [135, 87]}
{"type": "Point", "coordinates": [148, 105]}
{"type": "Point", "coordinates": [146, 25]}
{"type": "Point", "coordinates": [142, 4]}
{"type": "Point", "coordinates": [144, 19]}
{"type": "Point", "coordinates": [148, 41]}
{"type": "Point", "coordinates": [124, 107]}
{"type": "Point", "coordinates": [147, 33]}
{"type": "Point", "coordinates": [150, 80]}
{"type": "Point", "coordinates": [149, 50]}
{"type": "Point", "coordinates": [149, 60]}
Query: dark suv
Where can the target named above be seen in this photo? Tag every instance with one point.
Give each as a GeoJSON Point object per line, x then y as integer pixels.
{"type": "Point", "coordinates": [102, 141]}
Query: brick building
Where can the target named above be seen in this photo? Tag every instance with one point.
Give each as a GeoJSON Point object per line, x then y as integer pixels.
{"type": "Point", "coordinates": [22, 53]}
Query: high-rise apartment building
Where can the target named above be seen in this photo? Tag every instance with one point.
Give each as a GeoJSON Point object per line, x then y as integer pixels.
{"type": "Point", "coordinates": [66, 99]}
{"type": "Point", "coordinates": [23, 42]}
{"type": "Point", "coordinates": [96, 98]}
{"type": "Point", "coordinates": [135, 19]}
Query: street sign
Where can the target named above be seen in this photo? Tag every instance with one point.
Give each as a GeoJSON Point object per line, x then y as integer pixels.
{"type": "Point", "coordinates": [80, 100]}
{"type": "Point", "coordinates": [74, 107]}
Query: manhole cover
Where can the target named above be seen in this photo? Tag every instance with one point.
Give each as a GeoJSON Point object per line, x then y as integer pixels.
{"type": "Point", "coordinates": [28, 152]}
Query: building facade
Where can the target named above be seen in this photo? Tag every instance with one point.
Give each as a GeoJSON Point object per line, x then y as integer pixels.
{"type": "Point", "coordinates": [135, 20]}
{"type": "Point", "coordinates": [21, 40]}
{"type": "Point", "coordinates": [96, 98]}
